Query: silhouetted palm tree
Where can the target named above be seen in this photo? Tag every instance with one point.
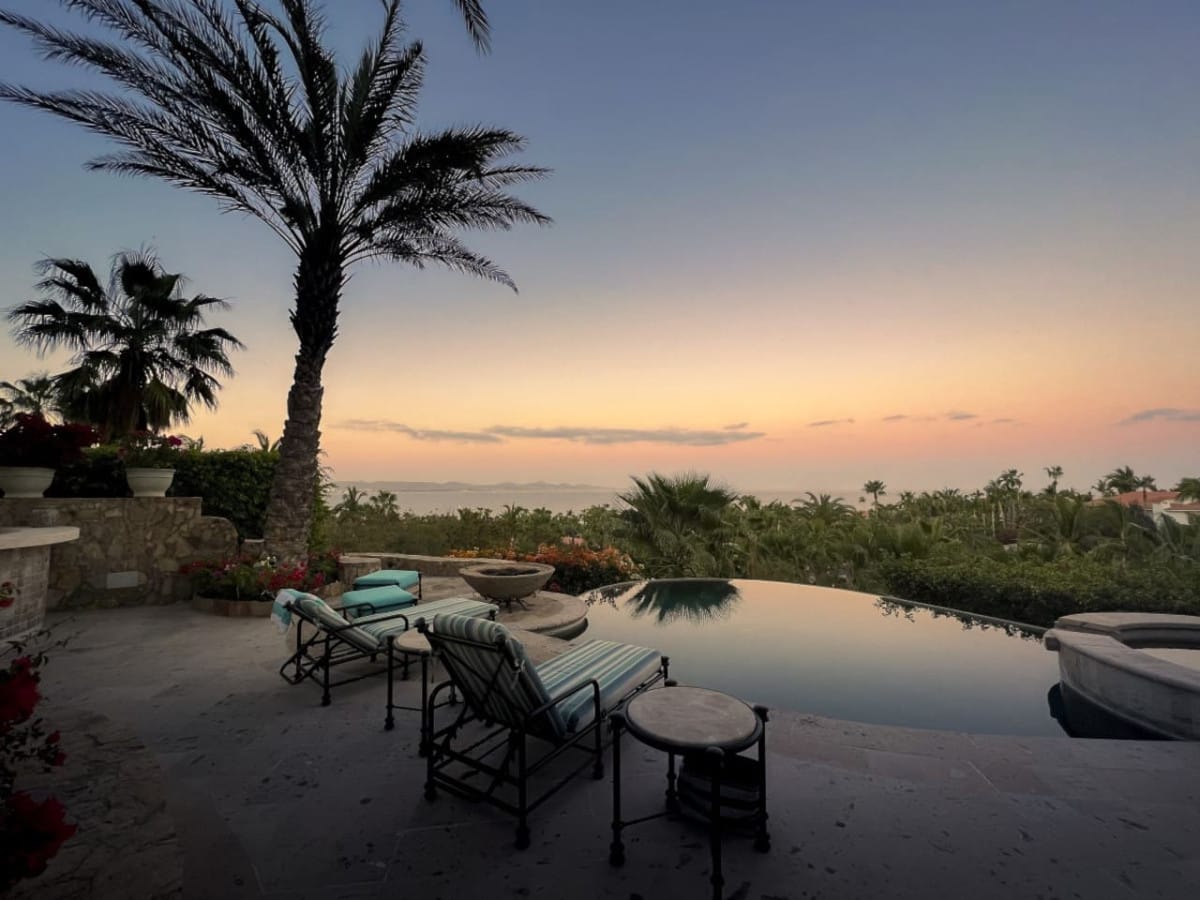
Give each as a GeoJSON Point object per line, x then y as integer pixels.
{"type": "Point", "coordinates": [1122, 480]}
{"type": "Point", "coordinates": [141, 356]}
{"type": "Point", "coordinates": [36, 394]}
{"type": "Point", "coordinates": [1053, 473]}
{"type": "Point", "coordinates": [1189, 488]}
{"type": "Point", "coordinates": [875, 487]}
{"type": "Point", "coordinates": [249, 107]}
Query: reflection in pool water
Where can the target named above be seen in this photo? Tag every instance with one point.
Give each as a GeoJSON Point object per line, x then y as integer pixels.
{"type": "Point", "coordinates": [838, 653]}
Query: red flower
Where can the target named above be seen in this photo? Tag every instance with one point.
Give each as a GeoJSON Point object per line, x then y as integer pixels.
{"type": "Point", "coordinates": [32, 833]}
{"type": "Point", "coordinates": [6, 602]}
{"type": "Point", "coordinates": [18, 692]}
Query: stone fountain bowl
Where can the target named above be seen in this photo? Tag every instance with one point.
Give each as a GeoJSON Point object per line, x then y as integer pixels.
{"type": "Point", "coordinates": [507, 581]}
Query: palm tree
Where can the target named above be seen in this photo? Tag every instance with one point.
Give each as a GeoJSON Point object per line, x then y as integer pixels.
{"type": "Point", "coordinates": [1189, 488]}
{"type": "Point", "coordinates": [141, 355]}
{"type": "Point", "coordinates": [36, 394]}
{"type": "Point", "coordinates": [825, 508]}
{"type": "Point", "coordinates": [250, 107]}
{"type": "Point", "coordinates": [1145, 483]}
{"type": "Point", "coordinates": [1122, 480]}
{"type": "Point", "coordinates": [351, 505]}
{"type": "Point", "coordinates": [679, 525]}
{"type": "Point", "coordinates": [1053, 473]}
{"type": "Point", "coordinates": [874, 487]}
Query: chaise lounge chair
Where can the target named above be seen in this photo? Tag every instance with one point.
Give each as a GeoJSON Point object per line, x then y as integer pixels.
{"type": "Point", "coordinates": [561, 703]}
{"type": "Point", "coordinates": [335, 640]}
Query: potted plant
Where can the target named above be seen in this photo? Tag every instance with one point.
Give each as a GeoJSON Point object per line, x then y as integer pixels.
{"type": "Point", "coordinates": [32, 449]}
{"type": "Point", "coordinates": [243, 586]}
{"type": "Point", "coordinates": [150, 462]}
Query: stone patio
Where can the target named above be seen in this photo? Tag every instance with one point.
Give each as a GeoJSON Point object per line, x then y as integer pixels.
{"type": "Point", "coordinates": [196, 771]}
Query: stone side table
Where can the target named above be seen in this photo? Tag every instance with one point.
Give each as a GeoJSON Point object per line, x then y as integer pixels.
{"type": "Point", "coordinates": [709, 730]}
{"type": "Point", "coordinates": [25, 563]}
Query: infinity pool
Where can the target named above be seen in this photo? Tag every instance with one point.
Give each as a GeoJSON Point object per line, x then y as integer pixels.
{"type": "Point", "coordinates": [837, 653]}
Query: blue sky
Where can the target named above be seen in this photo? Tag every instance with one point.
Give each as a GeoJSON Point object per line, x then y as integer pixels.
{"type": "Point", "coordinates": [766, 212]}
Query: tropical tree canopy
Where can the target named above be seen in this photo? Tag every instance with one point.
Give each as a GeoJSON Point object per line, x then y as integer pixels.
{"type": "Point", "coordinates": [249, 106]}
{"type": "Point", "coordinates": [37, 394]}
{"type": "Point", "coordinates": [1189, 488]}
{"type": "Point", "coordinates": [141, 354]}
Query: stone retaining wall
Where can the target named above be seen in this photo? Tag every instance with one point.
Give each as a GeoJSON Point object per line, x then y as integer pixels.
{"type": "Point", "coordinates": [129, 549]}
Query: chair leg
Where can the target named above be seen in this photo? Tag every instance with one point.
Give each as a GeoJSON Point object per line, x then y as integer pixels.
{"type": "Point", "coordinates": [616, 850]}
{"type": "Point", "coordinates": [598, 763]}
{"type": "Point", "coordinates": [326, 665]}
{"type": "Point", "coordinates": [423, 745]}
{"type": "Point", "coordinates": [389, 721]}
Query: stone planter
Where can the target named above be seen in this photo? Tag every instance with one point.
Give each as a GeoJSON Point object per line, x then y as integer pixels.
{"type": "Point", "coordinates": [149, 482]}
{"type": "Point", "coordinates": [234, 609]}
{"type": "Point", "coordinates": [25, 481]}
{"type": "Point", "coordinates": [507, 581]}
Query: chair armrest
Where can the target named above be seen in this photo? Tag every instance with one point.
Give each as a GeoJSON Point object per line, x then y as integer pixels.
{"type": "Point", "coordinates": [383, 618]}
{"type": "Point", "coordinates": [554, 701]}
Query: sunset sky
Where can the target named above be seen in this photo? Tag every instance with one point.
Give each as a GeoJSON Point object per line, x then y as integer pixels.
{"type": "Point", "coordinates": [796, 245]}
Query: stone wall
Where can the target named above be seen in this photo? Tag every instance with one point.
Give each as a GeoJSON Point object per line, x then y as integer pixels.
{"type": "Point", "coordinates": [129, 549]}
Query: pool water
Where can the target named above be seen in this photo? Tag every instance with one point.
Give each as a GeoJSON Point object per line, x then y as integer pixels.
{"type": "Point", "coordinates": [837, 653]}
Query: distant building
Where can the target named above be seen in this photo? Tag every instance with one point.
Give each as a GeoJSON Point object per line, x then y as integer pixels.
{"type": "Point", "coordinates": [1159, 504]}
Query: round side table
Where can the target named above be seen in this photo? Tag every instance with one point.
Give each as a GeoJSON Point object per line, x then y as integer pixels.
{"type": "Point", "coordinates": [708, 729]}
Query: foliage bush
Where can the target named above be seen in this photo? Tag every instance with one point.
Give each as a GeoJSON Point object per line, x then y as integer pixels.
{"type": "Point", "coordinates": [233, 484]}
{"type": "Point", "coordinates": [1037, 592]}
{"type": "Point", "coordinates": [577, 569]}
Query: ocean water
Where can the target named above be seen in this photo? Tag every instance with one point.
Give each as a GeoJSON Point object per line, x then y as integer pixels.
{"type": "Point", "coordinates": [426, 502]}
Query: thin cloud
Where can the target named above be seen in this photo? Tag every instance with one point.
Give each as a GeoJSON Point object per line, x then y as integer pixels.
{"type": "Point", "coordinates": [737, 426]}
{"type": "Point", "coordinates": [821, 423]}
{"type": "Point", "coordinates": [686, 437]}
{"type": "Point", "coordinates": [1165, 413]}
{"type": "Point", "coordinates": [419, 434]}
{"type": "Point", "coordinates": [959, 416]}
{"type": "Point", "coordinates": [898, 417]}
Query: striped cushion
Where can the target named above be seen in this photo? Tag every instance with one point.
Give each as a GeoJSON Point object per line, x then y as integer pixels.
{"type": "Point", "coordinates": [381, 599]}
{"type": "Point", "coordinates": [401, 578]}
{"type": "Point", "coordinates": [497, 680]}
{"type": "Point", "coordinates": [619, 668]}
{"type": "Point", "coordinates": [522, 687]}
{"type": "Point", "coordinates": [395, 623]}
{"type": "Point", "coordinates": [320, 612]}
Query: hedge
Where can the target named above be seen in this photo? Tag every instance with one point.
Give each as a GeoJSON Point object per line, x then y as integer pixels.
{"type": "Point", "coordinates": [1037, 592]}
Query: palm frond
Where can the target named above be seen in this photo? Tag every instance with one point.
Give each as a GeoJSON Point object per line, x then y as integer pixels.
{"type": "Point", "coordinates": [477, 23]}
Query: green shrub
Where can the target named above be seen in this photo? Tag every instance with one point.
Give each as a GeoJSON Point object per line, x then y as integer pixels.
{"type": "Point", "coordinates": [233, 484]}
{"type": "Point", "coordinates": [1028, 590]}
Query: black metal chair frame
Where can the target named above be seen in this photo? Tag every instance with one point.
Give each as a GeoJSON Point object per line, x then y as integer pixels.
{"type": "Point", "coordinates": [335, 650]}
{"type": "Point", "coordinates": [511, 737]}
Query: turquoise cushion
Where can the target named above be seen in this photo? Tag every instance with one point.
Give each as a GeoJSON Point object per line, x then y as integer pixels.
{"type": "Point", "coordinates": [381, 599]}
{"type": "Point", "coordinates": [401, 578]}
{"type": "Point", "coordinates": [618, 668]}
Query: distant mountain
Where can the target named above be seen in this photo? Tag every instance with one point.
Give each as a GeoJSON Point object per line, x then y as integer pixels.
{"type": "Point", "coordinates": [409, 487]}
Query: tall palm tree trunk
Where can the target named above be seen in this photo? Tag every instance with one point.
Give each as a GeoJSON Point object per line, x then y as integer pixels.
{"type": "Point", "coordinates": [320, 277]}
